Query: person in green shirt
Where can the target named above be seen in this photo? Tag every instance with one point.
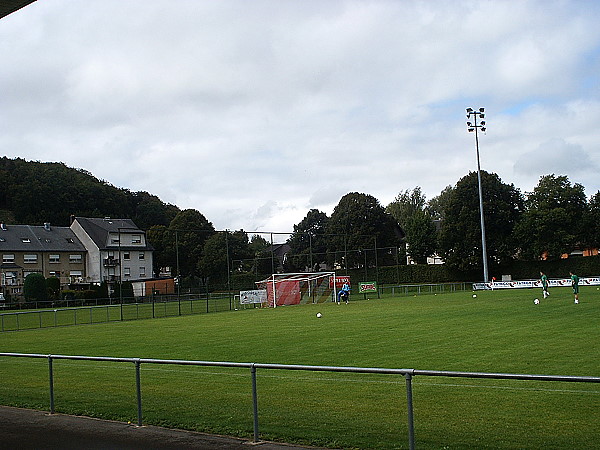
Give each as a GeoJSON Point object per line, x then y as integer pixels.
{"type": "Point", "coordinates": [544, 280]}
{"type": "Point", "coordinates": [575, 285]}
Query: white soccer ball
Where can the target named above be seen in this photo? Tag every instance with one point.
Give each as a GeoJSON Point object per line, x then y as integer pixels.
{"type": "Point", "coordinates": [474, 295]}
{"type": "Point", "coordinates": [319, 315]}
{"type": "Point", "coordinates": [536, 301]}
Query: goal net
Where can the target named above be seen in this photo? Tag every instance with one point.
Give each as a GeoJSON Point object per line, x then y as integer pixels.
{"type": "Point", "coordinates": [298, 288]}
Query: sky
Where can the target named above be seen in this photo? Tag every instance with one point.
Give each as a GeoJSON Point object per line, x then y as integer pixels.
{"type": "Point", "coordinates": [254, 112]}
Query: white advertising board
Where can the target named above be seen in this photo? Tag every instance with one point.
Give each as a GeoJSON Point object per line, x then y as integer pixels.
{"type": "Point", "coordinates": [560, 282]}
{"type": "Point", "coordinates": [255, 296]}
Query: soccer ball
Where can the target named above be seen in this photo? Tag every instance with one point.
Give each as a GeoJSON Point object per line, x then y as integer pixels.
{"type": "Point", "coordinates": [318, 315]}
{"type": "Point", "coordinates": [474, 295]}
{"type": "Point", "coordinates": [536, 301]}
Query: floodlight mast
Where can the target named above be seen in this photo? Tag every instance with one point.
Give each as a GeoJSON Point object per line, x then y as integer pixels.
{"type": "Point", "coordinates": [474, 126]}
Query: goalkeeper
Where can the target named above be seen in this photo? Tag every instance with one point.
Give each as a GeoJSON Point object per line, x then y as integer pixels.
{"type": "Point", "coordinates": [344, 294]}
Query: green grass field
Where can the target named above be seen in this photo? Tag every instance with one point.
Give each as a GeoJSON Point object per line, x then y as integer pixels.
{"type": "Point", "coordinates": [501, 331]}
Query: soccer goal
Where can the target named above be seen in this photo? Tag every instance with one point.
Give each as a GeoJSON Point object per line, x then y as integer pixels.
{"type": "Point", "coordinates": [298, 288]}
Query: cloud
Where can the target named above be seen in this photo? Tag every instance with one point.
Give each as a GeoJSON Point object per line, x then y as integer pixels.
{"type": "Point", "coordinates": [253, 113]}
{"type": "Point", "coordinates": [556, 156]}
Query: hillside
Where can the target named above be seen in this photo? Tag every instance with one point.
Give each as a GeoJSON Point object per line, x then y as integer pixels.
{"type": "Point", "coordinates": [33, 192]}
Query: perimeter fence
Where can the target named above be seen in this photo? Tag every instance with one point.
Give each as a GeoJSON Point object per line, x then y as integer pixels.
{"type": "Point", "coordinates": [408, 375]}
{"type": "Point", "coordinates": [154, 307]}
{"type": "Point", "coordinates": [148, 308]}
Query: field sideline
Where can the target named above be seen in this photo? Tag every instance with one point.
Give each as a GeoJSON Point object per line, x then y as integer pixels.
{"type": "Point", "coordinates": [500, 331]}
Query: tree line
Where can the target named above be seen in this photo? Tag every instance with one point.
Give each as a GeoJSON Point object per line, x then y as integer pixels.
{"type": "Point", "coordinates": [552, 220]}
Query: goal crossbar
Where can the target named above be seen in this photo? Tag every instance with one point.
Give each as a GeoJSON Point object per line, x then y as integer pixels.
{"type": "Point", "coordinates": [300, 287]}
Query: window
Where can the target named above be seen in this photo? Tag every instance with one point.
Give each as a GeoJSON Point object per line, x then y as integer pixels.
{"type": "Point", "coordinates": [142, 256]}
{"type": "Point", "coordinates": [126, 272]}
{"type": "Point", "coordinates": [54, 273]}
{"type": "Point", "coordinates": [126, 256]}
{"type": "Point", "coordinates": [30, 259]}
{"type": "Point", "coordinates": [25, 240]}
{"type": "Point", "coordinates": [142, 271]}
{"type": "Point", "coordinates": [8, 258]}
{"type": "Point", "coordinates": [114, 240]}
{"type": "Point", "coordinates": [54, 259]}
{"type": "Point", "coordinates": [136, 239]}
{"type": "Point", "coordinates": [75, 273]}
{"type": "Point", "coordinates": [75, 259]}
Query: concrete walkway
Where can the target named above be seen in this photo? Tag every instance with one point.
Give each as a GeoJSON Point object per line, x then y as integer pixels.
{"type": "Point", "coordinates": [30, 429]}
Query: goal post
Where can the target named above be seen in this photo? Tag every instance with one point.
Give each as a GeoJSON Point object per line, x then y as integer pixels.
{"type": "Point", "coordinates": [298, 288]}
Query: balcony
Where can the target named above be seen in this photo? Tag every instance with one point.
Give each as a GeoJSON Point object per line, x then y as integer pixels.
{"type": "Point", "coordinates": [110, 262]}
{"type": "Point", "coordinates": [111, 278]}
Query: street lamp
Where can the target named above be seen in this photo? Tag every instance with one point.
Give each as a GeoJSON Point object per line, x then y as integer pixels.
{"type": "Point", "coordinates": [474, 126]}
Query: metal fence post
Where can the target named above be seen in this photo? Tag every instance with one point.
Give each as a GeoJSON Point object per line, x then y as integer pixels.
{"type": "Point", "coordinates": [254, 402]}
{"type": "Point", "coordinates": [51, 383]}
{"type": "Point", "coordinates": [409, 407]}
{"type": "Point", "coordinates": [138, 384]}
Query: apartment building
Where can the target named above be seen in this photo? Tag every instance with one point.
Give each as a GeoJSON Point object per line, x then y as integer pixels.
{"type": "Point", "coordinates": [51, 251]}
{"type": "Point", "coordinates": [116, 249]}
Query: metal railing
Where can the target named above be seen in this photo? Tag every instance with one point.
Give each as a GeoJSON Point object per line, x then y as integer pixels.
{"type": "Point", "coordinates": [408, 374]}
{"type": "Point", "coordinates": [148, 308]}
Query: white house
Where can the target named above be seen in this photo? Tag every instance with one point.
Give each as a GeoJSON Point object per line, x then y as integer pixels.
{"type": "Point", "coordinates": [116, 249]}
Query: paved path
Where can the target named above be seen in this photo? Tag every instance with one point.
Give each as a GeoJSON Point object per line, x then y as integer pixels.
{"type": "Point", "coordinates": [30, 429]}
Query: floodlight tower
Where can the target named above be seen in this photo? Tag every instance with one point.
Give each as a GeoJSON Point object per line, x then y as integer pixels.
{"type": "Point", "coordinates": [474, 126]}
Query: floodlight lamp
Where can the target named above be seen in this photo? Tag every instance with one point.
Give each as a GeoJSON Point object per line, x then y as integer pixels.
{"type": "Point", "coordinates": [481, 109]}
{"type": "Point", "coordinates": [471, 129]}
{"type": "Point", "coordinates": [482, 128]}
{"type": "Point", "coordinates": [481, 115]}
{"type": "Point", "coordinates": [469, 110]}
{"type": "Point", "coordinates": [482, 122]}
{"type": "Point", "coordinates": [468, 124]}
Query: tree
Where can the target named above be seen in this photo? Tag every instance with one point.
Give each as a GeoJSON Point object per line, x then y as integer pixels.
{"type": "Point", "coordinates": [438, 205]}
{"type": "Point", "coordinates": [592, 222]}
{"type": "Point", "coordinates": [164, 254]}
{"type": "Point", "coordinates": [188, 232]}
{"type": "Point", "coordinates": [53, 287]}
{"type": "Point", "coordinates": [308, 243]}
{"type": "Point", "coordinates": [420, 237]}
{"type": "Point", "coordinates": [221, 250]}
{"type": "Point", "coordinates": [34, 287]}
{"type": "Point", "coordinates": [259, 249]}
{"type": "Point", "coordinates": [409, 210]}
{"type": "Point", "coordinates": [358, 224]}
{"type": "Point", "coordinates": [460, 236]}
{"type": "Point", "coordinates": [123, 291]}
{"type": "Point", "coordinates": [406, 205]}
{"type": "Point", "coordinates": [35, 192]}
{"type": "Point", "coordinates": [553, 222]}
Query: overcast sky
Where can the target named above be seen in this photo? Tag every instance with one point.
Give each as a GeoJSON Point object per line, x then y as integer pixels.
{"type": "Point", "coordinates": [254, 112]}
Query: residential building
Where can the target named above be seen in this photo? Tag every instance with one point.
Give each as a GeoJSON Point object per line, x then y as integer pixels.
{"type": "Point", "coordinates": [51, 251]}
{"type": "Point", "coordinates": [116, 249]}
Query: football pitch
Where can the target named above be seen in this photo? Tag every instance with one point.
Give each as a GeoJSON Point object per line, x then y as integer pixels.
{"type": "Point", "coordinates": [499, 331]}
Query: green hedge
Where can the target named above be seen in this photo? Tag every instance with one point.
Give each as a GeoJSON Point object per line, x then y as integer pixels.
{"type": "Point", "coordinates": [523, 270]}
{"type": "Point", "coordinates": [440, 273]}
